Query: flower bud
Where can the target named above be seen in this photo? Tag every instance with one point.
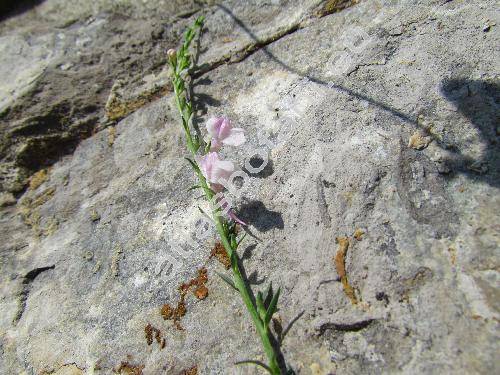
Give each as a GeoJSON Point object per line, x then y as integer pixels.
{"type": "Point", "coordinates": [172, 55]}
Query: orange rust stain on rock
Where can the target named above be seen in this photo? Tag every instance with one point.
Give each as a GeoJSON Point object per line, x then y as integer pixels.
{"type": "Point", "coordinates": [191, 371]}
{"type": "Point", "coordinates": [200, 291]}
{"type": "Point", "coordinates": [358, 234]}
{"type": "Point", "coordinates": [339, 261]}
{"type": "Point", "coordinates": [126, 368]}
{"type": "Point", "coordinates": [149, 330]}
{"type": "Point", "coordinates": [220, 254]}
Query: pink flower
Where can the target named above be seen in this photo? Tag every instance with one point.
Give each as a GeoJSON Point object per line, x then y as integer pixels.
{"type": "Point", "coordinates": [222, 132]}
{"type": "Point", "coordinates": [215, 170]}
{"type": "Point", "coordinates": [225, 206]}
{"type": "Point", "coordinates": [235, 218]}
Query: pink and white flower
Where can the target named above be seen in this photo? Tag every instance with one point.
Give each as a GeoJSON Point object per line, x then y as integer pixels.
{"type": "Point", "coordinates": [215, 170]}
{"type": "Point", "coordinates": [222, 132]}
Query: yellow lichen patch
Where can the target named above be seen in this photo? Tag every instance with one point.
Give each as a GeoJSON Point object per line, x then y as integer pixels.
{"type": "Point", "coordinates": [339, 260]}
{"type": "Point", "coordinates": [30, 213]}
{"type": "Point", "coordinates": [358, 234]}
{"type": "Point", "coordinates": [70, 369]}
{"type": "Point", "coordinates": [115, 259]}
{"type": "Point", "coordinates": [316, 369]}
{"type": "Point", "coordinates": [38, 178]}
{"type": "Point", "coordinates": [348, 195]}
{"type": "Point", "coordinates": [190, 371]}
{"type": "Point", "coordinates": [111, 135]}
{"type": "Point", "coordinates": [51, 227]}
{"type": "Point", "coordinates": [44, 197]}
{"type": "Point", "coordinates": [453, 255]}
{"type": "Point", "coordinates": [126, 368]}
{"type": "Point", "coordinates": [118, 108]}
{"type": "Point", "coordinates": [333, 6]}
{"type": "Point", "coordinates": [94, 215]}
{"type": "Point", "coordinates": [418, 141]}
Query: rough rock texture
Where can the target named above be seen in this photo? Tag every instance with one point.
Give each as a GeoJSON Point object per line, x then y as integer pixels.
{"type": "Point", "coordinates": [390, 141]}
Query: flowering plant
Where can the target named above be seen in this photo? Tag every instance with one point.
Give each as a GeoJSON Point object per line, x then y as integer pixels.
{"type": "Point", "coordinates": [213, 173]}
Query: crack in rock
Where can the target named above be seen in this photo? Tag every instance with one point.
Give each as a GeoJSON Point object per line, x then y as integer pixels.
{"type": "Point", "coordinates": [26, 287]}
{"type": "Point", "coordinates": [344, 327]}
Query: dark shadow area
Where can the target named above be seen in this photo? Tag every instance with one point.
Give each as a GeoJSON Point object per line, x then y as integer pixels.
{"type": "Point", "coordinates": [283, 332]}
{"type": "Point", "coordinates": [202, 102]}
{"type": "Point", "coordinates": [480, 107]}
{"type": "Point", "coordinates": [204, 81]}
{"type": "Point", "coordinates": [253, 279]}
{"type": "Point", "coordinates": [248, 252]}
{"type": "Point", "coordinates": [256, 162]}
{"type": "Point", "coordinates": [261, 46]}
{"type": "Point", "coordinates": [256, 214]}
{"type": "Point", "coordinates": [11, 8]}
{"type": "Point", "coordinates": [478, 101]}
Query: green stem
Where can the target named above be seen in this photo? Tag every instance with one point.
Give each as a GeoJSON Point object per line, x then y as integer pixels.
{"type": "Point", "coordinates": [239, 281]}
{"type": "Point", "coordinates": [241, 285]}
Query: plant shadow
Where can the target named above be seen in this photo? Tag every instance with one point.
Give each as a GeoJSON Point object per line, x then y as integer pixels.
{"type": "Point", "coordinates": [255, 213]}
{"type": "Point", "coordinates": [479, 102]}
{"type": "Point", "coordinates": [480, 106]}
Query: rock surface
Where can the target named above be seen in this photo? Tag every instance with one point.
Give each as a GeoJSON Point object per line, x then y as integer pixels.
{"type": "Point", "coordinates": [330, 95]}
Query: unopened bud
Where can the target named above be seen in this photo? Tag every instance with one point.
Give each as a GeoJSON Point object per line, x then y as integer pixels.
{"type": "Point", "coordinates": [171, 53]}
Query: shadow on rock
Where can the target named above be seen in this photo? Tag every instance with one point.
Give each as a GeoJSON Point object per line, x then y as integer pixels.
{"type": "Point", "coordinates": [478, 101]}
{"type": "Point", "coordinates": [11, 8]}
{"type": "Point", "coordinates": [256, 214]}
{"type": "Point", "coordinates": [256, 162]}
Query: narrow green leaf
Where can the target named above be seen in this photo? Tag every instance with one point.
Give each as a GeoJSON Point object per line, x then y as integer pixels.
{"type": "Point", "coordinates": [207, 147]}
{"type": "Point", "coordinates": [254, 362]}
{"type": "Point", "coordinates": [232, 238]}
{"type": "Point", "coordinates": [269, 293]}
{"type": "Point", "coordinates": [272, 307]}
{"type": "Point", "coordinates": [241, 239]}
{"type": "Point", "coordinates": [227, 280]}
{"type": "Point", "coordinates": [196, 143]}
{"type": "Point", "coordinates": [199, 21]}
{"type": "Point", "coordinates": [234, 260]}
{"type": "Point", "coordinates": [194, 187]}
{"type": "Point", "coordinates": [260, 305]}
{"type": "Point", "coordinates": [194, 165]}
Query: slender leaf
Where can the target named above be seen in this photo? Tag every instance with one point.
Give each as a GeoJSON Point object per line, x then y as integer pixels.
{"type": "Point", "coordinates": [194, 187]}
{"type": "Point", "coordinates": [272, 307]}
{"type": "Point", "coordinates": [269, 294]}
{"type": "Point", "coordinates": [233, 241]}
{"type": "Point", "coordinates": [208, 146]}
{"type": "Point", "coordinates": [227, 280]}
{"type": "Point", "coordinates": [234, 260]}
{"type": "Point", "coordinates": [260, 305]}
{"type": "Point", "coordinates": [241, 239]}
{"type": "Point", "coordinates": [194, 165]}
